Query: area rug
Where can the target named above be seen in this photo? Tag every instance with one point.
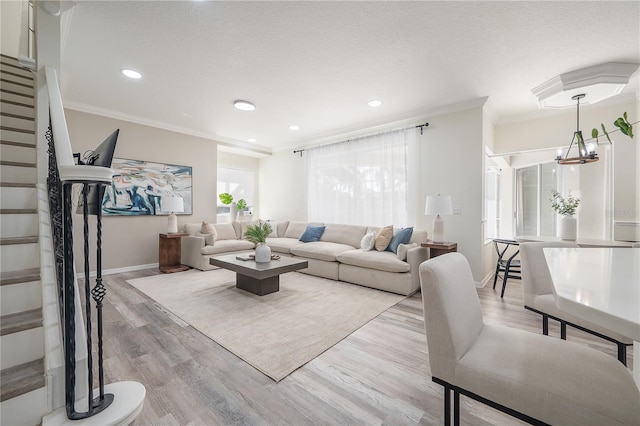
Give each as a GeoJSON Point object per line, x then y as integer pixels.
{"type": "Point", "coordinates": [277, 333]}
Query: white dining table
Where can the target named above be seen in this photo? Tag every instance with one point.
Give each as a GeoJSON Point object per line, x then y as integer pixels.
{"type": "Point", "coordinates": [600, 285]}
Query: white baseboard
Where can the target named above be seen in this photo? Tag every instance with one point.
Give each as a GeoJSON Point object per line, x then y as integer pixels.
{"type": "Point", "coordinates": [80, 275]}
{"type": "Point", "coordinates": [485, 280]}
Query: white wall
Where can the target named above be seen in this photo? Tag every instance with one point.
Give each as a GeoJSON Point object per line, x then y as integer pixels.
{"type": "Point", "coordinates": [282, 187]}
{"type": "Point", "coordinates": [133, 240]}
{"type": "Point", "coordinates": [10, 17]}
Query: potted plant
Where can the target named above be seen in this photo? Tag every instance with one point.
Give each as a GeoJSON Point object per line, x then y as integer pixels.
{"type": "Point", "coordinates": [227, 199]}
{"type": "Point", "coordinates": [258, 234]}
{"type": "Point", "coordinates": [242, 207]}
{"type": "Point", "coordinates": [566, 208]}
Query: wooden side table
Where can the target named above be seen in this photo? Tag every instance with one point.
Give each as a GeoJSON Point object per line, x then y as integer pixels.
{"type": "Point", "coordinates": [170, 251]}
{"type": "Point", "coordinates": [437, 249]}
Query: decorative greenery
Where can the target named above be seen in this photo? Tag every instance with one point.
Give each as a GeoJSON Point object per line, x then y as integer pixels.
{"type": "Point", "coordinates": [564, 207]}
{"type": "Point", "coordinates": [258, 233]}
{"type": "Point", "coordinates": [242, 204]}
{"type": "Point", "coordinates": [623, 125]}
{"type": "Point", "coordinates": [226, 198]}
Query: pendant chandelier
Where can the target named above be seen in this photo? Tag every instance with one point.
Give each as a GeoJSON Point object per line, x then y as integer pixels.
{"type": "Point", "coordinates": [585, 154]}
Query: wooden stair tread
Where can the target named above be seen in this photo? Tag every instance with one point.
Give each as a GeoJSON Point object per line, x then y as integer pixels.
{"type": "Point", "coordinates": [16, 277]}
{"type": "Point", "coordinates": [15, 129]}
{"type": "Point", "coordinates": [17, 185]}
{"type": "Point", "coordinates": [22, 379]}
{"type": "Point", "coordinates": [12, 115]}
{"type": "Point", "coordinates": [21, 321]}
{"type": "Point", "coordinates": [27, 85]}
{"type": "Point", "coordinates": [6, 101]}
{"type": "Point", "coordinates": [28, 78]}
{"type": "Point", "coordinates": [18, 211]}
{"type": "Point", "coordinates": [8, 241]}
{"type": "Point", "coordinates": [22, 144]}
{"type": "Point", "coordinates": [17, 93]}
{"type": "Point", "coordinates": [16, 164]}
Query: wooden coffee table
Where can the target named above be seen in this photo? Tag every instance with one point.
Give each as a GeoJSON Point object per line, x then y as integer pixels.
{"type": "Point", "coordinates": [258, 278]}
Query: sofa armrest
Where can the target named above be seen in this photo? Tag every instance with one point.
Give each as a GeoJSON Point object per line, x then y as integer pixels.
{"type": "Point", "coordinates": [190, 254]}
{"type": "Point", "coordinates": [415, 257]}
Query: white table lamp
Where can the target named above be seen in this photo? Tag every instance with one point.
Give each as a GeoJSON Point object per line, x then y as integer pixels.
{"type": "Point", "coordinates": [173, 205]}
{"type": "Point", "coordinates": [438, 205]}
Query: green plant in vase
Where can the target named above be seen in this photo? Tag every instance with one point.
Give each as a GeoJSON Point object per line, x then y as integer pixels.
{"type": "Point", "coordinates": [564, 207]}
{"type": "Point", "coordinates": [258, 234]}
{"type": "Point", "coordinates": [226, 198]}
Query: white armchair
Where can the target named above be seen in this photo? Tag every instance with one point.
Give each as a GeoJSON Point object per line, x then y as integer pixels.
{"type": "Point", "coordinates": [535, 378]}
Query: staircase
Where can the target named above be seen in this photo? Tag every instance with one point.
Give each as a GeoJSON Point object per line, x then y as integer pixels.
{"type": "Point", "coordinates": [23, 395]}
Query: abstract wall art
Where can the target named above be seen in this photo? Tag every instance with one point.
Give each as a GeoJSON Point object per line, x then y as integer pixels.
{"type": "Point", "coordinates": [138, 188]}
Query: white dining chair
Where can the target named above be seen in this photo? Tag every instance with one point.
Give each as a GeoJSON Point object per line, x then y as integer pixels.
{"type": "Point", "coordinates": [537, 289]}
{"type": "Point", "coordinates": [536, 378]}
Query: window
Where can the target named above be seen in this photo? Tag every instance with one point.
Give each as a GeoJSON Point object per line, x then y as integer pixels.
{"type": "Point", "coordinates": [534, 215]}
{"type": "Point", "coordinates": [363, 181]}
{"type": "Point", "coordinates": [239, 183]}
{"type": "Point", "coordinates": [491, 203]}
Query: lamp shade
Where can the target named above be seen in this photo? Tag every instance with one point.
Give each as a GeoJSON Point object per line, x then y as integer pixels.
{"type": "Point", "coordinates": [438, 205]}
{"type": "Point", "coordinates": [172, 204]}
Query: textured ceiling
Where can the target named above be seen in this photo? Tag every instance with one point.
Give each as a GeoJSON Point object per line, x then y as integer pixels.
{"type": "Point", "coordinates": [316, 64]}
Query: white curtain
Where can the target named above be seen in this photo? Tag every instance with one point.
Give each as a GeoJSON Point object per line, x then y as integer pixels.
{"type": "Point", "coordinates": [362, 181]}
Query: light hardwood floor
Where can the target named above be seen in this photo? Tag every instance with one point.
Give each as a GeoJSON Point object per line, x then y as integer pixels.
{"type": "Point", "coordinates": [377, 375]}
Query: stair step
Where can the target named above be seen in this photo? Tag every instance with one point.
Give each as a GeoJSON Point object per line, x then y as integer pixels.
{"type": "Point", "coordinates": [12, 64]}
{"type": "Point", "coordinates": [7, 241]}
{"type": "Point", "coordinates": [20, 296]}
{"type": "Point", "coordinates": [19, 88]}
{"type": "Point", "coordinates": [15, 143]}
{"type": "Point", "coordinates": [9, 137]}
{"type": "Point", "coordinates": [17, 108]}
{"type": "Point", "coordinates": [19, 225]}
{"type": "Point", "coordinates": [18, 211]}
{"type": "Point", "coordinates": [30, 344]}
{"type": "Point", "coordinates": [15, 257]}
{"type": "Point", "coordinates": [16, 174]}
{"type": "Point", "coordinates": [16, 75]}
{"type": "Point", "coordinates": [18, 198]}
{"type": "Point", "coordinates": [17, 277]}
{"type": "Point", "coordinates": [10, 95]}
{"type": "Point", "coordinates": [21, 321]}
{"type": "Point", "coordinates": [21, 153]}
{"type": "Point", "coordinates": [17, 129]}
{"type": "Point", "coordinates": [16, 164]}
{"type": "Point", "coordinates": [21, 123]}
{"type": "Point", "coordinates": [22, 379]}
{"type": "Point", "coordinates": [17, 185]}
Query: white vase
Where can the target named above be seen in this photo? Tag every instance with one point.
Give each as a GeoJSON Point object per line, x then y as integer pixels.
{"type": "Point", "coordinates": [568, 228]}
{"type": "Point", "coordinates": [233, 212]}
{"type": "Point", "coordinates": [263, 253]}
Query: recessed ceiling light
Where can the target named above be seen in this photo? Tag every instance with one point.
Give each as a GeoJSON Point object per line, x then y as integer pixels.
{"type": "Point", "coordinates": [131, 73]}
{"type": "Point", "coordinates": [244, 105]}
{"type": "Point", "coordinates": [251, 140]}
{"type": "Point", "coordinates": [294, 127]}
{"type": "Point", "coordinates": [374, 103]}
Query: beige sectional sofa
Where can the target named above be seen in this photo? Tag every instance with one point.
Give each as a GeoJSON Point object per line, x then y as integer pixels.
{"type": "Point", "coordinates": [337, 255]}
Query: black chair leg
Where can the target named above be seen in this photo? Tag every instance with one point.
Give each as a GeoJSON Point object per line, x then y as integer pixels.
{"type": "Point", "coordinates": [622, 353]}
{"type": "Point", "coordinates": [495, 277]}
{"type": "Point", "coordinates": [504, 282]}
{"type": "Point", "coordinates": [545, 325]}
{"type": "Point", "coordinates": [563, 330]}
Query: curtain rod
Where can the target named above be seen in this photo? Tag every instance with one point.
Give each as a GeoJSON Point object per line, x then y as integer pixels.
{"type": "Point", "coordinates": [421, 126]}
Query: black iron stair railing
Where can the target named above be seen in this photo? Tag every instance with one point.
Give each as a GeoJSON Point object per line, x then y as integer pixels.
{"type": "Point", "coordinates": [61, 211]}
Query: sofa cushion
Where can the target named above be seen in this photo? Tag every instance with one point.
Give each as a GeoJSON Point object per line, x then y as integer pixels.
{"type": "Point", "coordinates": [368, 241]}
{"type": "Point", "coordinates": [192, 228]}
{"type": "Point", "coordinates": [282, 245]}
{"type": "Point", "coordinates": [225, 231]}
{"type": "Point", "coordinates": [209, 239]}
{"type": "Point", "coordinates": [278, 228]}
{"type": "Point", "coordinates": [321, 250]}
{"type": "Point", "coordinates": [401, 236]}
{"type": "Point", "coordinates": [207, 228]}
{"type": "Point", "coordinates": [312, 233]}
{"type": "Point", "coordinates": [380, 260]}
{"type": "Point", "coordinates": [344, 234]}
{"type": "Point", "coordinates": [224, 246]}
{"type": "Point", "coordinates": [419, 237]}
{"type": "Point", "coordinates": [403, 249]}
{"type": "Point", "coordinates": [383, 238]}
{"type": "Point", "coordinates": [296, 229]}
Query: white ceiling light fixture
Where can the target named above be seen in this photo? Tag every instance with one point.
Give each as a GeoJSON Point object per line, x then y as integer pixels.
{"type": "Point", "coordinates": [374, 103]}
{"type": "Point", "coordinates": [131, 73]}
{"type": "Point", "coordinates": [244, 105]}
{"type": "Point", "coordinates": [294, 127]}
{"type": "Point", "coordinates": [251, 140]}
{"type": "Point", "coordinates": [599, 82]}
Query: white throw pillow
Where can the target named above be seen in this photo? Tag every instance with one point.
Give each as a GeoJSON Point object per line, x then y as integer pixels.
{"type": "Point", "coordinates": [403, 249]}
{"type": "Point", "coordinates": [225, 231]}
{"type": "Point", "coordinates": [368, 242]}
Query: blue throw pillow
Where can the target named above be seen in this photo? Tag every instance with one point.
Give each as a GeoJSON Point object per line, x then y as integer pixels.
{"type": "Point", "coordinates": [403, 236]}
{"type": "Point", "coordinates": [312, 233]}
